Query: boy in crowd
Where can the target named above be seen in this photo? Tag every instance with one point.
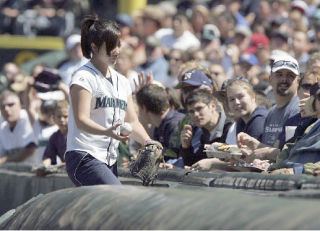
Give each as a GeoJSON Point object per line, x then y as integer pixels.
{"type": "Point", "coordinates": [154, 107]}
{"type": "Point", "coordinates": [57, 142]}
{"type": "Point", "coordinates": [210, 125]}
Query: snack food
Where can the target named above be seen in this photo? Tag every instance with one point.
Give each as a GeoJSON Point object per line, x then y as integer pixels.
{"type": "Point", "coordinates": [222, 151]}
{"type": "Point", "coordinates": [217, 146]}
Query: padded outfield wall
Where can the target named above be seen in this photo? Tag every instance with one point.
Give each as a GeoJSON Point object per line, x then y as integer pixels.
{"type": "Point", "coordinates": [182, 199]}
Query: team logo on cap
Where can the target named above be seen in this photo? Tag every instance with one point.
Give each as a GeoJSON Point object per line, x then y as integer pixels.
{"type": "Point", "coordinates": [246, 56]}
{"type": "Point", "coordinates": [187, 76]}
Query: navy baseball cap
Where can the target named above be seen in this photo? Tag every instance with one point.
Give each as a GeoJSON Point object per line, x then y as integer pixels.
{"type": "Point", "coordinates": [249, 58]}
{"type": "Point", "coordinates": [194, 78]}
{"type": "Point", "coordinates": [124, 19]}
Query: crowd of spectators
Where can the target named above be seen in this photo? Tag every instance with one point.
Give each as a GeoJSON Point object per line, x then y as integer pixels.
{"type": "Point", "coordinates": [232, 71]}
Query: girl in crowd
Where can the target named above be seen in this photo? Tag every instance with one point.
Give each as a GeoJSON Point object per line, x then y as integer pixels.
{"type": "Point", "coordinates": [242, 104]}
{"type": "Point", "coordinates": [100, 101]}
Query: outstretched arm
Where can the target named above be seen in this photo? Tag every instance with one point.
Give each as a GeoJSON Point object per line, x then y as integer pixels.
{"type": "Point", "coordinates": [139, 134]}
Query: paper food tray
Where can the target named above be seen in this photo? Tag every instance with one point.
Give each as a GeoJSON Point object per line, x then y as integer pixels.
{"type": "Point", "coordinates": [221, 154]}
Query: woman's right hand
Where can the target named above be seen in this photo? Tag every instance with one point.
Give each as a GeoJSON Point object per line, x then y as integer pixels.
{"type": "Point", "coordinates": [112, 132]}
{"type": "Point", "coordinates": [246, 141]}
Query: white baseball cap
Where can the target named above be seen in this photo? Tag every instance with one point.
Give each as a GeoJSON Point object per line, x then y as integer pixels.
{"type": "Point", "coordinates": [72, 40]}
{"type": "Point", "coordinates": [285, 62]}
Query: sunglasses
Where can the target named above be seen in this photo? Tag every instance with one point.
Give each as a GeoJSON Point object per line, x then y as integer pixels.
{"type": "Point", "coordinates": [306, 86]}
{"type": "Point", "coordinates": [285, 63]}
{"type": "Point", "coordinates": [4, 105]}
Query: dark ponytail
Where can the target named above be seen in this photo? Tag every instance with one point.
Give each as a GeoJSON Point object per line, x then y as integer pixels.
{"type": "Point", "coordinates": [98, 31]}
{"type": "Point", "coordinates": [85, 43]}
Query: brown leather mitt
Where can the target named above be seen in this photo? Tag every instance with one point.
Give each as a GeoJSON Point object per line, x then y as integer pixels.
{"type": "Point", "coordinates": [146, 165]}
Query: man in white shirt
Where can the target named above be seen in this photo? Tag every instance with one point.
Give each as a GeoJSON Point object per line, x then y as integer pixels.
{"type": "Point", "coordinates": [17, 141]}
{"type": "Point", "coordinates": [75, 58]}
{"type": "Point", "coordinates": [178, 37]}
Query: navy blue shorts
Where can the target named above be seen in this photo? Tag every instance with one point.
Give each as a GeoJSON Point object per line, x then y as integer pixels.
{"type": "Point", "coordinates": [84, 169]}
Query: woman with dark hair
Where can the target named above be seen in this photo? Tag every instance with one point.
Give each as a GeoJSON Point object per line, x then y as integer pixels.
{"type": "Point", "coordinates": [101, 101]}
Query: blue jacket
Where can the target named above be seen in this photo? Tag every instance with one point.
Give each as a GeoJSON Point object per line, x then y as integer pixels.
{"type": "Point", "coordinates": [300, 122]}
{"type": "Point", "coordinates": [255, 125]}
{"type": "Point", "coordinates": [305, 150]}
{"type": "Point", "coordinates": [201, 136]}
{"type": "Point", "coordinates": [166, 128]}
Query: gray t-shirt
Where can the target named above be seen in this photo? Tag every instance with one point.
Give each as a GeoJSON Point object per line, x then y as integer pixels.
{"type": "Point", "coordinates": [275, 120]}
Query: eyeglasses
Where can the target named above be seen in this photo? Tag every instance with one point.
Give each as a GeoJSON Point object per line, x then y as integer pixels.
{"type": "Point", "coordinates": [197, 109]}
{"type": "Point", "coordinates": [306, 86]}
{"type": "Point", "coordinates": [7, 105]}
{"type": "Point", "coordinates": [188, 89]}
{"type": "Point", "coordinates": [175, 59]}
{"type": "Point", "coordinates": [285, 63]}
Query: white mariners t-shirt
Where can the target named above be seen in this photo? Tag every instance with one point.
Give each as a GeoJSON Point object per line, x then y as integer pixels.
{"type": "Point", "coordinates": [108, 106]}
{"type": "Point", "coordinates": [20, 137]}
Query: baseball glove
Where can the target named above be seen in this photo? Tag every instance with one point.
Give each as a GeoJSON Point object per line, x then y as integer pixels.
{"type": "Point", "coordinates": [146, 165]}
{"type": "Point", "coordinates": [42, 170]}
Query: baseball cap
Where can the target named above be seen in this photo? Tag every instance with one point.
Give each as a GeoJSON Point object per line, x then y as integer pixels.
{"type": "Point", "coordinates": [72, 40]}
{"type": "Point", "coordinates": [299, 5]}
{"type": "Point", "coordinates": [124, 19]}
{"type": "Point", "coordinates": [242, 29]}
{"type": "Point", "coordinates": [257, 41]}
{"type": "Point", "coordinates": [249, 58]}
{"type": "Point", "coordinates": [194, 78]}
{"type": "Point", "coordinates": [47, 80]}
{"type": "Point", "coordinates": [285, 62]}
{"type": "Point", "coordinates": [210, 32]}
{"type": "Point", "coordinates": [314, 91]}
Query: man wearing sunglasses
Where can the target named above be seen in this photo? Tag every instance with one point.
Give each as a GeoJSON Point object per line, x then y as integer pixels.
{"type": "Point", "coordinates": [284, 80]}
{"type": "Point", "coordinates": [17, 141]}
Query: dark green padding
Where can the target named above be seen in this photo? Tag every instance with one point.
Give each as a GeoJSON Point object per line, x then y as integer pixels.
{"type": "Point", "coordinates": [131, 207]}
{"type": "Point", "coordinates": [18, 184]}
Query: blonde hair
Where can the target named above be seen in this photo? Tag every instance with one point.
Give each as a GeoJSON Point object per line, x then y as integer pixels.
{"type": "Point", "coordinates": [243, 84]}
{"type": "Point", "coordinates": [61, 104]}
{"type": "Point", "coordinates": [202, 10]}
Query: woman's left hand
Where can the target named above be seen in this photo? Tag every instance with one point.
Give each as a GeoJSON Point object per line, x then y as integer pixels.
{"type": "Point", "coordinates": [112, 132]}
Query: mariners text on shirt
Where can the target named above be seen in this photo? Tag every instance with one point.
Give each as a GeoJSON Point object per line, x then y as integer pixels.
{"type": "Point", "coordinates": [110, 102]}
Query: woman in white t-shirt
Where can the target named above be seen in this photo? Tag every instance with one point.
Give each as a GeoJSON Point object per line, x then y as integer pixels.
{"type": "Point", "coordinates": [100, 100]}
